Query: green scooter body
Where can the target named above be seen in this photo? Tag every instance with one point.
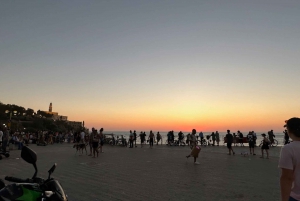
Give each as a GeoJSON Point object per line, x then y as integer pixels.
{"type": "Point", "coordinates": [21, 192]}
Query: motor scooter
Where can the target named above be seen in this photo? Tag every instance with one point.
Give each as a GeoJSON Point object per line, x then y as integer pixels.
{"type": "Point", "coordinates": [34, 189]}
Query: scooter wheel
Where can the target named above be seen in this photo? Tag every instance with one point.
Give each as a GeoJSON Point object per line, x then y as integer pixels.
{"type": "Point", "coordinates": [6, 155]}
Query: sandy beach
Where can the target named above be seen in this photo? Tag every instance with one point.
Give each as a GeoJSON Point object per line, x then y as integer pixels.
{"type": "Point", "coordinates": [161, 173]}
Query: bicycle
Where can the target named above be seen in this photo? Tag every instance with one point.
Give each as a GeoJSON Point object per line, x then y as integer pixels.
{"type": "Point", "coordinates": [179, 143]}
{"type": "Point", "coordinates": [271, 144]}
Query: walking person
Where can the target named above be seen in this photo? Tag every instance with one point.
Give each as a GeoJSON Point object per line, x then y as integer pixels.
{"type": "Point", "coordinates": [229, 139]}
{"type": "Point", "coordinates": [250, 137]}
{"type": "Point", "coordinates": [265, 146]}
{"type": "Point", "coordinates": [289, 163]}
{"type": "Point", "coordinates": [217, 138]}
{"type": "Point", "coordinates": [195, 149]}
{"type": "Point", "coordinates": [101, 140]}
{"type": "Point", "coordinates": [151, 139]}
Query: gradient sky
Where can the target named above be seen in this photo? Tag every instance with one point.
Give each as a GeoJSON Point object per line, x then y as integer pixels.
{"type": "Point", "coordinates": [161, 65]}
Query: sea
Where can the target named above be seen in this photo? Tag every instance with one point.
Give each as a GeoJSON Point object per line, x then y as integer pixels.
{"type": "Point", "coordinates": [278, 136]}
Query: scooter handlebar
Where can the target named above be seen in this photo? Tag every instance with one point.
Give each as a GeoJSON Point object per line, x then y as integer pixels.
{"type": "Point", "coordinates": [17, 180]}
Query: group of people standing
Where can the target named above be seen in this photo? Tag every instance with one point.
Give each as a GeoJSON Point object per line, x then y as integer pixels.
{"type": "Point", "coordinates": [95, 141]}
{"type": "Point", "coordinates": [151, 139]}
{"type": "Point", "coordinates": [251, 137]}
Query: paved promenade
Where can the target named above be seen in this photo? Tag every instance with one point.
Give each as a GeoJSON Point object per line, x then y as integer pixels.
{"type": "Point", "coordinates": [161, 173]}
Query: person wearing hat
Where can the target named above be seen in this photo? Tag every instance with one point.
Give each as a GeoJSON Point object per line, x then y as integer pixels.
{"type": "Point", "coordinates": [289, 163]}
{"type": "Point", "coordinates": [265, 146]}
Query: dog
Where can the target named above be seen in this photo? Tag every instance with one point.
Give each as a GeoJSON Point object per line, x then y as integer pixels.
{"type": "Point", "coordinates": [80, 147]}
{"type": "Point", "coordinates": [244, 153]}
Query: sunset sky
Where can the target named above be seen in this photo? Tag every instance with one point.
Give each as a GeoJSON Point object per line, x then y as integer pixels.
{"type": "Point", "coordinates": [161, 65]}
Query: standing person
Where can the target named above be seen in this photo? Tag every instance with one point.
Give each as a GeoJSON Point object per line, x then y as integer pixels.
{"type": "Point", "coordinates": [91, 141]}
{"type": "Point", "coordinates": [213, 135]}
{"type": "Point", "coordinates": [241, 137]}
{"type": "Point", "coordinates": [217, 138]}
{"type": "Point", "coordinates": [265, 146]}
{"type": "Point", "coordinates": [101, 138]}
{"type": "Point", "coordinates": [95, 143]}
{"type": "Point", "coordinates": [286, 137]}
{"type": "Point", "coordinates": [142, 138]}
{"type": "Point", "coordinates": [1, 135]}
{"type": "Point", "coordinates": [50, 138]}
{"type": "Point", "coordinates": [234, 139]}
{"type": "Point", "coordinates": [5, 138]}
{"type": "Point", "coordinates": [169, 138]}
{"type": "Point", "coordinates": [134, 138]}
{"type": "Point", "coordinates": [229, 139]}
{"type": "Point", "coordinates": [151, 138]}
{"type": "Point", "coordinates": [250, 137]}
{"type": "Point", "coordinates": [196, 149]}
{"type": "Point", "coordinates": [188, 139]}
{"type": "Point", "coordinates": [158, 138]}
{"type": "Point", "coordinates": [289, 163]}
{"type": "Point", "coordinates": [201, 137]}
{"type": "Point", "coordinates": [131, 136]}
{"type": "Point", "coordinates": [255, 138]}
{"type": "Point", "coordinates": [82, 134]}
{"type": "Point", "coordinates": [75, 137]}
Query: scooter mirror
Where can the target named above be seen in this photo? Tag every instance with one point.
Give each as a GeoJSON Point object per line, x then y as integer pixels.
{"type": "Point", "coordinates": [52, 169]}
{"type": "Point", "coordinates": [28, 155]}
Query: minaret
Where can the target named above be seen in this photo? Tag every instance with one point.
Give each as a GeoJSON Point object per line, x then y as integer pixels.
{"type": "Point", "coordinates": [50, 107]}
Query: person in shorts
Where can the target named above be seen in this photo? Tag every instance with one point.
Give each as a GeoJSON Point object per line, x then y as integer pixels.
{"type": "Point", "coordinates": [265, 146]}
{"type": "Point", "coordinates": [229, 138]}
{"type": "Point", "coordinates": [289, 163]}
{"type": "Point", "coordinates": [101, 138]}
{"type": "Point", "coordinates": [250, 138]}
{"type": "Point", "coordinates": [95, 143]}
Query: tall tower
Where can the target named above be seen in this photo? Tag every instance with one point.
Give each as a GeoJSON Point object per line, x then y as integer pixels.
{"type": "Point", "coordinates": [50, 107]}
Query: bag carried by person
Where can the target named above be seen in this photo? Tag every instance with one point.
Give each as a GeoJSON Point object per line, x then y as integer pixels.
{"type": "Point", "coordinates": [195, 151]}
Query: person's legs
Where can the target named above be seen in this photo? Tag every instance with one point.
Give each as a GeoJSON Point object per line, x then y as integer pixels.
{"type": "Point", "coordinates": [267, 153]}
{"type": "Point", "coordinates": [91, 148]}
{"type": "Point", "coordinates": [262, 153]}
